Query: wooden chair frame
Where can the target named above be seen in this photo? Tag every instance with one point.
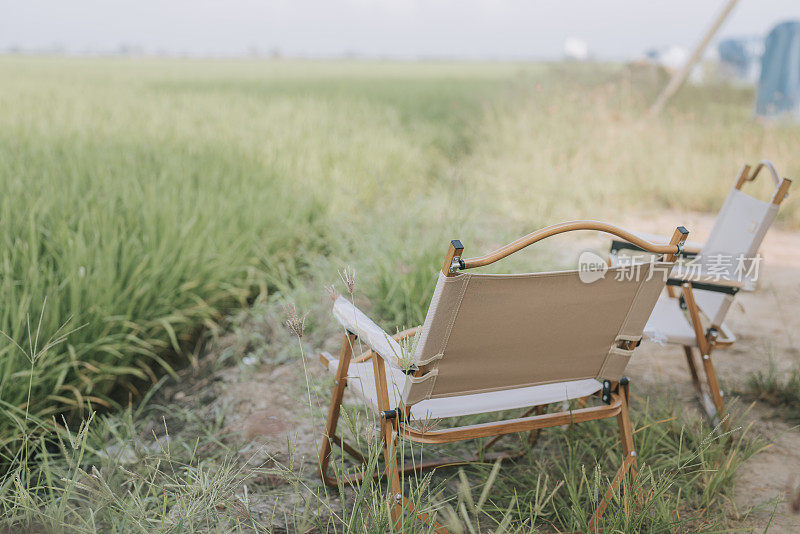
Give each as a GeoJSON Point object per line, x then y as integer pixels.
{"type": "Point", "coordinates": [393, 421]}
{"type": "Point", "coordinates": [707, 388]}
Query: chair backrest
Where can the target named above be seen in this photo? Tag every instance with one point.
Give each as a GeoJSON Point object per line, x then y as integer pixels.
{"type": "Point", "coordinates": [486, 332]}
{"type": "Point", "coordinates": [733, 244]}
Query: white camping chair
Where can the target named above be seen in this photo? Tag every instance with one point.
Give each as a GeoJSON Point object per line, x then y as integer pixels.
{"type": "Point", "coordinates": [727, 262]}
{"type": "Point", "coordinates": [499, 342]}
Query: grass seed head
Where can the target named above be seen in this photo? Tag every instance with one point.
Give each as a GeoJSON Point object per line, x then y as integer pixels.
{"type": "Point", "coordinates": [332, 293]}
{"type": "Point", "coordinates": [295, 323]}
{"type": "Point", "coordinates": [348, 276]}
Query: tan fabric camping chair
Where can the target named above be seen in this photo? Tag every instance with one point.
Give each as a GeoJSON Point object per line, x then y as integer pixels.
{"type": "Point", "coordinates": [700, 293]}
{"type": "Point", "coordinates": [500, 342]}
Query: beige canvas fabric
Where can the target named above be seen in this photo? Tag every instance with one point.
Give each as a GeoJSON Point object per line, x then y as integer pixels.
{"type": "Point", "coordinates": [488, 332]}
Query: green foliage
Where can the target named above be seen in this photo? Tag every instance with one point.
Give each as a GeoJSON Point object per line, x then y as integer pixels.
{"type": "Point", "coordinates": [143, 200]}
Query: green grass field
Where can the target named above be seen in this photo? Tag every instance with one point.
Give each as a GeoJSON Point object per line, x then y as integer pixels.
{"type": "Point", "coordinates": [143, 199]}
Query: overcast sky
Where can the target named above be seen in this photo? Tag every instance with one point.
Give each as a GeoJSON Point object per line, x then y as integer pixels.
{"type": "Point", "coordinates": [508, 29]}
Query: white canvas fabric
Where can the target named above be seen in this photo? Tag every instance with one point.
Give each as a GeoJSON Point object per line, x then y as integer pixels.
{"type": "Point", "coordinates": [371, 334]}
{"type": "Point", "coordinates": [361, 381]}
{"type": "Point", "coordinates": [738, 231]}
{"type": "Point", "coordinates": [669, 324]}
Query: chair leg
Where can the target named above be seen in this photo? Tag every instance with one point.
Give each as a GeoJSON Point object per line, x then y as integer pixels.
{"type": "Point", "coordinates": [398, 504]}
{"type": "Point", "coordinates": [713, 386]}
{"type": "Point", "coordinates": [392, 474]}
{"type": "Point", "coordinates": [693, 370]}
{"type": "Point", "coordinates": [334, 409]}
{"type": "Point", "coordinates": [628, 467]}
{"type": "Point", "coordinates": [706, 345]}
{"type": "Point", "coordinates": [708, 393]}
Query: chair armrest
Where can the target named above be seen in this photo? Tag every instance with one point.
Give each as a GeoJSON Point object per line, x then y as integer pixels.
{"type": "Point", "coordinates": [372, 335]}
{"type": "Point", "coordinates": [705, 281]}
{"type": "Point", "coordinates": [400, 336]}
{"type": "Point", "coordinates": [690, 248]}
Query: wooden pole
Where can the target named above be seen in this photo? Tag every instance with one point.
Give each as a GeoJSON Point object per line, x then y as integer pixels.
{"type": "Point", "coordinates": [680, 76]}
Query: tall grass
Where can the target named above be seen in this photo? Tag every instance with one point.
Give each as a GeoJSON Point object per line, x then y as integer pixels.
{"type": "Point", "coordinates": [144, 199]}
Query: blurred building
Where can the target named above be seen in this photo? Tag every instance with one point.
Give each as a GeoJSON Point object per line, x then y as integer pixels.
{"type": "Point", "coordinates": [576, 49]}
{"type": "Point", "coordinates": [740, 59]}
{"type": "Point", "coordinates": [779, 84]}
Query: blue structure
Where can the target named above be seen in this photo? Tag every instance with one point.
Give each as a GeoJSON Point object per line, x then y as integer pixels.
{"type": "Point", "coordinates": [779, 86]}
{"type": "Point", "coordinates": [740, 57]}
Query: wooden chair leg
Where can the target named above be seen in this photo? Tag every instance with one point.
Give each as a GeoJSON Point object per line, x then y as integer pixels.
{"type": "Point", "coordinates": [387, 435]}
{"type": "Point", "coordinates": [706, 345]}
{"type": "Point", "coordinates": [334, 409]}
{"type": "Point", "coordinates": [708, 393]}
{"type": "Point", "coordinates": [713, 386]}
{"type": "Point", "coordinates": [693, 370]}
{"type": "Point", "coordinates": [628, 467]}
{"type": "Point", "coordinates": [397, 503]}
{"type": "Point", "coordinates": [392, 474]}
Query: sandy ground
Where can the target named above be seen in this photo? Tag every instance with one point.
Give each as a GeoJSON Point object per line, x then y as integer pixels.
{"type": "Point", "coordinates": [267, 403]}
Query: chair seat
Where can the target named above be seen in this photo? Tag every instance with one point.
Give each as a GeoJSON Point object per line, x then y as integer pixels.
{"type": "Point", "coordinates": [361, 380]}
{"type": "Point", "coordinates": [669, 324]}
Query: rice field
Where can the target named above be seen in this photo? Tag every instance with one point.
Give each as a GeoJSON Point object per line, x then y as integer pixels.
{"type": "Point", "coordinates": [143, 200]}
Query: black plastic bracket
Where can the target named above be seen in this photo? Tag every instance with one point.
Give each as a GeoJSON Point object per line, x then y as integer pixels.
{"type": "Point", "coordinates": [712, 333]}
{"type": "Point", "coordinates": [623, 245]}
{"type": "Point", "coordinates": [606, 392]}
{"type": "Point", "coordinates": [617, 245]}
{"type": "Point", "coordinates": [397, 413]}
{"type": "Point", "coordinates": [704, 286]}
{"type": "Point", "coordinates": [411, 370]}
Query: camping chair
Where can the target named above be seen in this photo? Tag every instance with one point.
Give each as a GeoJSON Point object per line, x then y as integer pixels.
{"type": "Point", "coordinates": [495, 342]}
{"type": "Point", "coordinates": [700, 293]}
